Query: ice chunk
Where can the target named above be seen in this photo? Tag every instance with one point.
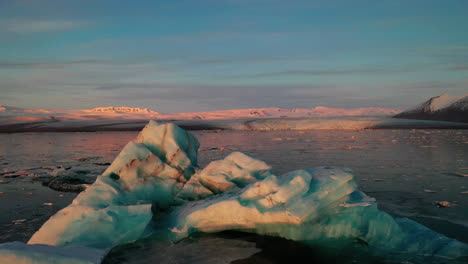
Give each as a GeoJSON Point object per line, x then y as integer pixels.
{"type": "Point", "coordinates": [235, 171]}
{"type": "Point", "coordinates": [320, 206]}
{"type": "Point", "coordinates": [117, 208]}
{"type": "Point", "coordinates": [18, 252]}
{"type": "Point", "coordinates": [194, 190]}
{"type": "Point", "coordinates": [273, 200]}
{"type": "Point", "coordinates": [136, 175]}
{"type": "Point", "coordinates": [97, 228]}
{"type": "Point", "coordinates": [172, 145]}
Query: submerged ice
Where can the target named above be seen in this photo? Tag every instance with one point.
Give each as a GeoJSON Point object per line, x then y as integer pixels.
{"type": "Point", "coordinates": [154, 186]}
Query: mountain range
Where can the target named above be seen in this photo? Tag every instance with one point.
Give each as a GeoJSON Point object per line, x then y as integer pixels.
{"type": "Point", "coordinates": [15, 115]}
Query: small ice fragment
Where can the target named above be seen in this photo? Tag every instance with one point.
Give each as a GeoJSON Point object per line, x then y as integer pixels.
{"type": "Point", "coordinates": [429, 191]}
{"type": "Point", "coordinates": [19, 221]}
{"type": "Point", "coordinates": [465, 192]}
{"type": "Point", "coordinates": [48, 204]}
{"type": "Point", "coordinates": [18, 252]}
{"type": "Point", "coordinates": [281, 139]}
{"type": "Point", "coordinates": [442, 204]}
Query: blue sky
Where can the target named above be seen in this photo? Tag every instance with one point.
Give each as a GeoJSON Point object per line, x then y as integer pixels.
{"type": "Point", "coordinates": [198, 55]}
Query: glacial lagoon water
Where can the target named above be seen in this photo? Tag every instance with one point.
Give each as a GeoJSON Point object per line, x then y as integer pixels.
{"type": "Point", "coordinates": [407, 171]}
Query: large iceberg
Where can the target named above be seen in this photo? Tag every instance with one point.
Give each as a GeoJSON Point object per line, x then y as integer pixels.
{"type": "Point", "coordinates": [319, 207]}
{"type": "Point", "coordinates": [154, 186]}
{"type": "Point", "coordinates": [117, 208]}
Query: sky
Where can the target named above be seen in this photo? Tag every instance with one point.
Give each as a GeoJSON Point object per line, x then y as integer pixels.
{"type": "Point", "coordinates": [203, 55]}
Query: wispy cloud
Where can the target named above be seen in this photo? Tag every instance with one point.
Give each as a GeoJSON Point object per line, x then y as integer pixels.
{"type": "Point", "coordinates": [185, 38]}
{"type": "Point", "coordinates": [49, 64]}
{"type": "Point", "coordinates": [461, 67]}
{"type": "Point", "coordinates": [38, 26]}
{"type": "Point", "coordinates": [451, 48]}
{"type": "Point", "coordinates": [318, 73]}
{"type": "Point", "coordinates": [154, 61]}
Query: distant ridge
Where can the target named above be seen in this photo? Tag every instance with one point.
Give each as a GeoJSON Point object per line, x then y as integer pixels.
{"type": "Point", "coordinates": [121, 109]}
{"type": "Point", "coordinates": [275, 112]}
{"type": "Point", "coordinates": [123, 112]}
{"type": "Point", "coordinates": [444, 107]}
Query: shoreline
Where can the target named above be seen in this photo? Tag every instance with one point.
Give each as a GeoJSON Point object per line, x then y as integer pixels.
{"type": "Point", "coordinates": [263, 124]}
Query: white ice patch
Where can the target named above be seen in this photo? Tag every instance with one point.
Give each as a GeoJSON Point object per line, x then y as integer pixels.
{"type": "Point", "coordinates": [20, 253]}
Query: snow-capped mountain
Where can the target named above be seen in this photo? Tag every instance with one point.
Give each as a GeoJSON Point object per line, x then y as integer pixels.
{"type": "Point", "coordinates": [443, 107]}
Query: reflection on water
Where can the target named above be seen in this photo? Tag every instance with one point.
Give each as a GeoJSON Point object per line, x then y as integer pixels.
{"type": "Point", "coordinates": [244, 248]}
{"type": "Point", "coordinates": [26, 150]}
{"type": "Point", "coordinates": [233, 247]}
{"type": "Point", "coordinates": [406, 170]}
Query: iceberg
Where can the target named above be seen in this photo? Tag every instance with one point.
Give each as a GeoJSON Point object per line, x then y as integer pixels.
{"type": "Point", "coordinates": [318, 207]}
{"type": "Point", "coordinates": [119, 206]}
{"type": "Point", "coordinates": [155, 188]}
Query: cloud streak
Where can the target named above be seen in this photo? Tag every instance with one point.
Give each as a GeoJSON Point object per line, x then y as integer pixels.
{"type": "Point", "coordinates": [462, 67]}
{"type": "Point", "coordinates": [40, 26]}
{"type": "Point", "coordinates": [49, 64]}
{"type": "Point", "coordinates": [363, 71]}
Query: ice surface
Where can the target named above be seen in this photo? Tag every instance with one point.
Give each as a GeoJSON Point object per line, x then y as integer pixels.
{"type": "Point", "coordinates": [97, 228]}
{"type": "Point", "coordinates": [154, 185]}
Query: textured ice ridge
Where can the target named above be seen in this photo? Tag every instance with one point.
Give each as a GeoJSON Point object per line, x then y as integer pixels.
{"type": "Point", "coordinates": [155, 187]}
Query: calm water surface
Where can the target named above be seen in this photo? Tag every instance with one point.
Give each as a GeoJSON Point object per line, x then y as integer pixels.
{"type": "Point", "coordinates": [407, 171]}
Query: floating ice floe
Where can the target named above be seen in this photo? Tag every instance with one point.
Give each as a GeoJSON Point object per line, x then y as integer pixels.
{"type": "Point", "coordinates": [17, 252]}
{"type": "Point", "coordinates": [154, 186]}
